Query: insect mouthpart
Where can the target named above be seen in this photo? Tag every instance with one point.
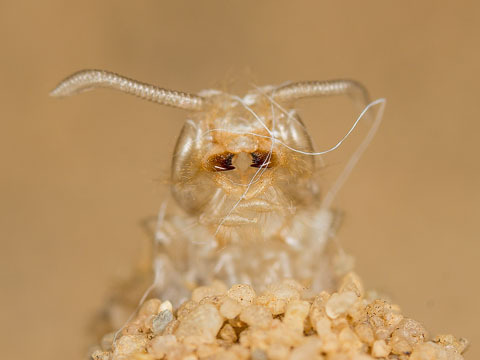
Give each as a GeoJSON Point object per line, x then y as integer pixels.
{"type": "Point", "coordinates": [262, 159]}
{"type": "Point", "coordinates": [221, 162]}
{"type": "Point", "coordinates": [224, 161]}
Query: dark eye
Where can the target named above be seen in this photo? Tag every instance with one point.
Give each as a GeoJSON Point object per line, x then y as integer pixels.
{"type": "Point", "coordinates": [262, 159]}
{"type": "Point", "coordinates": [221, 162]}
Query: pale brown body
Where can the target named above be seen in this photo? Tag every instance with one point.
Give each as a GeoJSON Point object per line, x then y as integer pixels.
{"type": "Point", "coordinates": [247, 207]}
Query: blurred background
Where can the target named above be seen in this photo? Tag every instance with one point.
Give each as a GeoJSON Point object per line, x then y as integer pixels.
{"type": "Point", "coordinates": [78, 175]}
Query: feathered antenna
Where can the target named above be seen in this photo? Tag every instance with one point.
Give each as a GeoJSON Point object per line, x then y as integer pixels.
{"type": "Point", "coordinates": [86, 80]}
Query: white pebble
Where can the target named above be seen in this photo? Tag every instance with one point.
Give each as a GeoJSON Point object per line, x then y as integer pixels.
{"type": "Point", "coordinates": [166, 305]}
{"type": "Point", "coordinates": [338, 304]}
{"type": "Point", "coordinates": [204, 321]}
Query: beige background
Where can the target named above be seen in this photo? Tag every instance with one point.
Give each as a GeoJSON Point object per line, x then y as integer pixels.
{"type": "Point", "coordinates": [78, 175]}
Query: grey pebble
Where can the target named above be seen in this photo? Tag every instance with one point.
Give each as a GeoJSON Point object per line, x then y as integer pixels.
{"type": "Point", "coordinates": [161, 321]}
{"type": "Point", "coordinates": [258, 354]}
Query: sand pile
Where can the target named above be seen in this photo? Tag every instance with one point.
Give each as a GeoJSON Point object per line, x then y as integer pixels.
{"type": "Point", "coordinates": [284, 322]}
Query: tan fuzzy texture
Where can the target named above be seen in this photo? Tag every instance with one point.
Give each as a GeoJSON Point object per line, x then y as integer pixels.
{"type": "Point", "coordinates": [279, 324]}
{"type": "Point", "coordinates": [230, 308]}
{"type": "Point", "coordinates": [242, 293]}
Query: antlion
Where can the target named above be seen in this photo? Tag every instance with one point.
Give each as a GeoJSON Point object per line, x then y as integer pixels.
{"type": "Point", "coordinates": [250, 210]}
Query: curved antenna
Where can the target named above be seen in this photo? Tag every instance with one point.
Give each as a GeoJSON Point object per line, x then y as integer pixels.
{"type": "Point", "coordinates": [359, 94]}
{"type": "Point", "coordinates": [303, 89]}
{"type": "Point", "coordinates": [86, 80]}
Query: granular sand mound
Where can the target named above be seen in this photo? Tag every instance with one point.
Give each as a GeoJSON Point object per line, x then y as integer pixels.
{"type": "Point", "coordinates": [284, 322]}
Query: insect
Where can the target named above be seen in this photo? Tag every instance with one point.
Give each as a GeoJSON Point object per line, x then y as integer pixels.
{"type": "Point", "coordinates": [247, 207]}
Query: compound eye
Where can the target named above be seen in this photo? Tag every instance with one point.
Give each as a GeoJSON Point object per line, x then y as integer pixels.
{"type": "Point", "coordinates": [262, 159]}
{"type": "Point", "coordinates": [221, 162]}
